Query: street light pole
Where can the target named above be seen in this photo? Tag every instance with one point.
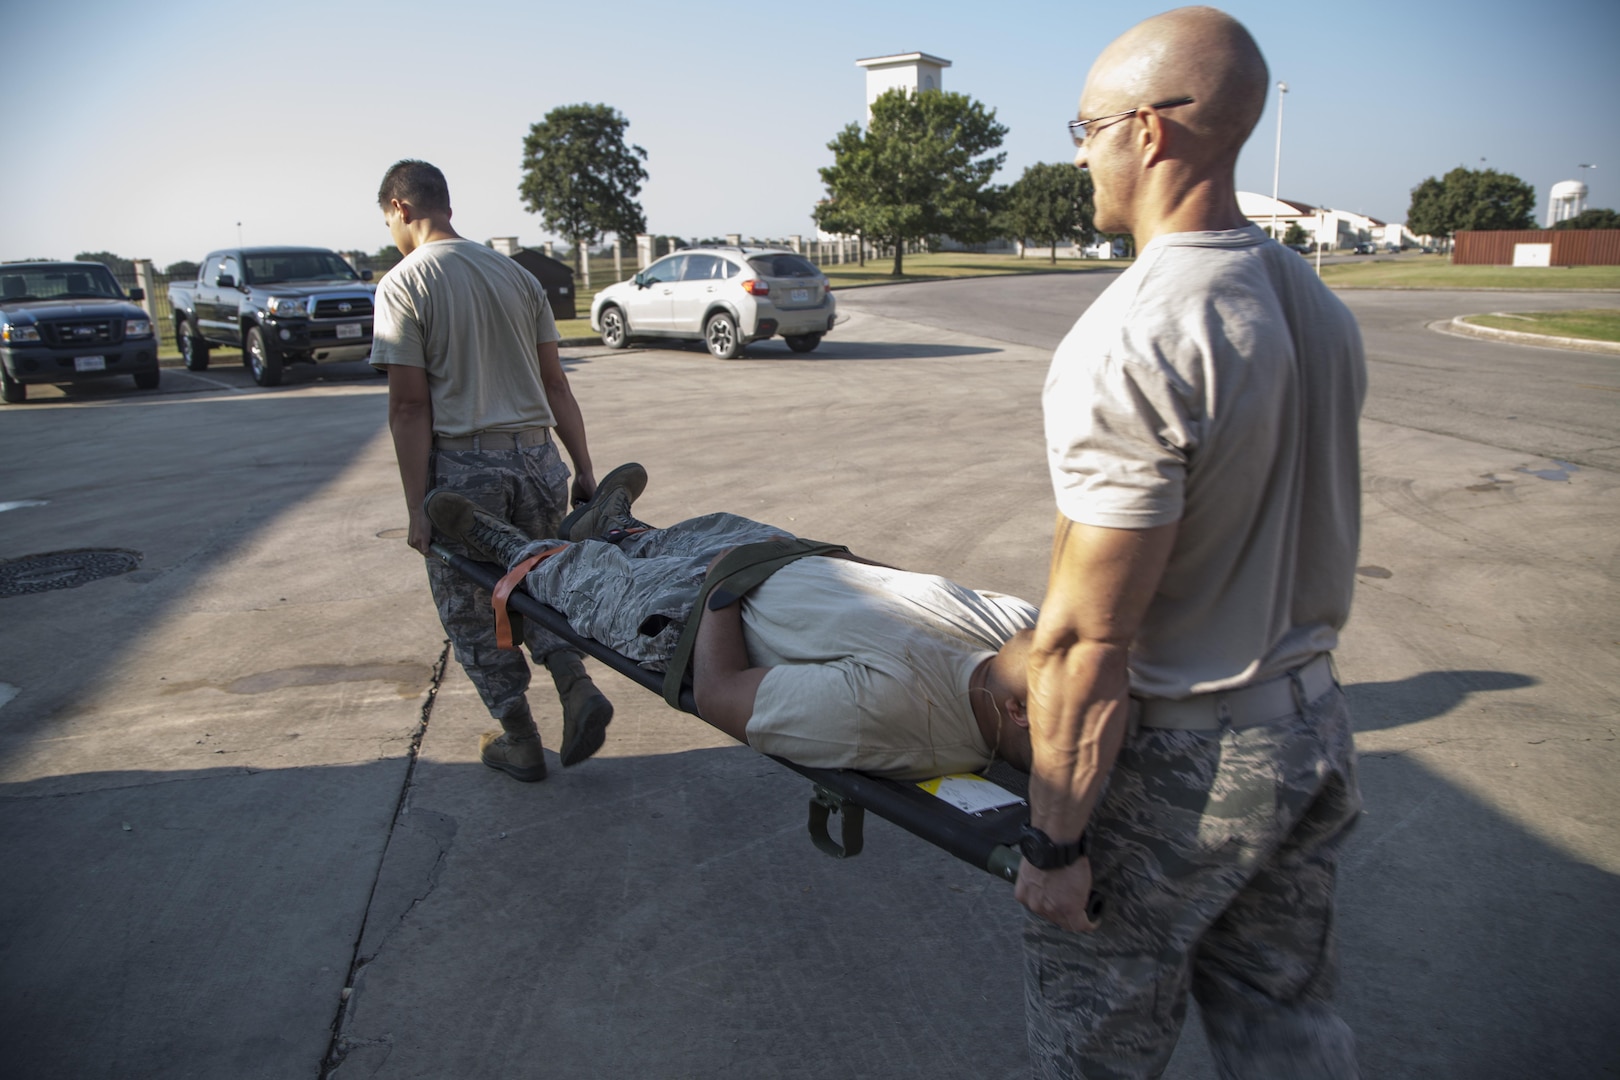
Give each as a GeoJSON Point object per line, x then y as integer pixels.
{"type": "Point", "coordinates": [1276, 169]}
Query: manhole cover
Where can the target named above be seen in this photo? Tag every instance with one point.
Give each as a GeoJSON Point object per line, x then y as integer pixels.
{"type": "Point", "coordinates": [63, 569]}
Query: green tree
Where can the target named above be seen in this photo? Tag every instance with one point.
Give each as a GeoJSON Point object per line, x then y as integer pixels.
{"type": "Point", "coordinates": [1051, 204]}
{"type": "Point", "coordinates": [1593, 218]}
{"type": "Point", "coordinates": [182, 270]}
{"type": "Point", "coordinates": [1296, 234]}
{"type": "Point", "coordinates": [1470, 199]}
{"type": "Point", "coordinates": [120, 266]}
{"type": "Point", "coordinates": [384, 259]}
{"type": "Point", "coordinates": [582, 178]}
{"type": "Point", "coordinates": [922, 168]}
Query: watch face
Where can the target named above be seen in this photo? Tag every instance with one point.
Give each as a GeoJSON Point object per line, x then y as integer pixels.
{"type": "Point", "coordinates": [1044, 853]}
{"type": "Point", "coordinates": [1037, 847]}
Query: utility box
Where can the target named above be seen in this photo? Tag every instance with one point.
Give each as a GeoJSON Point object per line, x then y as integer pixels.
{"type": "Point", "coordinates": [555, 276]}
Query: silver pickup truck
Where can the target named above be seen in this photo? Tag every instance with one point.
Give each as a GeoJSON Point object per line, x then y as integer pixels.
{"type": "Point", "coordinates": [279, 305]}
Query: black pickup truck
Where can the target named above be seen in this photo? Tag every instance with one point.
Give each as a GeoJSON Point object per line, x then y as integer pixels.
{"type": "Point", "coordinates": [279, 305]}
{"type": "Point", "coordinates": [66, 322]}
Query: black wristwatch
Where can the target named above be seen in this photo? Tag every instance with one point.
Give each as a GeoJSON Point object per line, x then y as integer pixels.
{"type": "Point", "coordinates": [1044, 853]}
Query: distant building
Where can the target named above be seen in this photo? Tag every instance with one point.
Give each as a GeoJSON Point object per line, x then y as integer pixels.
{"type": "Point", "coordinates": [916, 72]}
{"type": "Point", "coordinates": [1333, 229]}
{"type": "Point", "coordinates": [1263, 210]}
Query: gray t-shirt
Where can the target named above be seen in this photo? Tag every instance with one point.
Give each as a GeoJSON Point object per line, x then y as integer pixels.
{"type": "Point", "coordinates": [870, 666]}
{"type": "Point", "coordinates": [473, 319]}
{"type": "Point", "coordinates": [1218, 383]}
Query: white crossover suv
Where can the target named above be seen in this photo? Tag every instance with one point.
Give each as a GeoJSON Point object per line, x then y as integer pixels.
{"type": "Point", "coordinates": [725, 297]}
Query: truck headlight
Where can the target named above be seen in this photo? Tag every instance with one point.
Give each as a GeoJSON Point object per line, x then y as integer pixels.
{"type": "Point", "coordinates": [137, 328]}
{"type": "Point", "coordinates": [288, 307]}
{"type": "Point", "coordinates": [20, 333]}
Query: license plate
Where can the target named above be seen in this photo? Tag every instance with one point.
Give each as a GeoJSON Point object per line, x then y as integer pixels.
{"type": "Point", "coordinates": [350, 329]}
{"type": "Point", "coordinates": [799, 294]}
{"type": "Point", "coordinates": [89, 363]}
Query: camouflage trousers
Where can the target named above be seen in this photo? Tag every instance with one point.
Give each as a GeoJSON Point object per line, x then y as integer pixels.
{"type": "Point", "coordinates": [529, 488]}
{"type": "Point", "coordinates": [635, 596]}
{"type": "Point", "coordinates": [1216, 853]}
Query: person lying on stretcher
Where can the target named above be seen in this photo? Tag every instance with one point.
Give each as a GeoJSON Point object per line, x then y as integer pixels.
{"type": "Point", "coordinates": [831, 662]}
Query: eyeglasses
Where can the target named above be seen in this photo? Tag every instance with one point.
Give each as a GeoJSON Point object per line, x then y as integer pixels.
{"type": "Point", "coordinates": [1079, 129]}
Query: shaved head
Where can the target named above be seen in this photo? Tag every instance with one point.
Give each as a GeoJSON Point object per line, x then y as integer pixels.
{"type": "Point", "coordinates": [1192, 51]}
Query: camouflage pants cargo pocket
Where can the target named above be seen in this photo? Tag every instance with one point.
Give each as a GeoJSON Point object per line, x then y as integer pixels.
{"type": "Point", "coordinates": [636, 596]}
{"type": "Point", "coordinates": [529, 488]}
{"type": "Point", "coordinates": [1216, 853]}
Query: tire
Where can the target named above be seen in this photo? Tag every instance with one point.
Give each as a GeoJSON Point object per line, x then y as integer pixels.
{"type": "Point", "coordinates": [803, 342]}
{"type": "Point", "coordinates": [147, 380]}
{"type": "Point", "coordinates": [615, 330]}
{"type": "Point", "coordinates": [720, 335]}
{"type": "Point", "coordinates": [263, 361]}
{"type": "Point", "coordinates": [193, 349]}
{"type": "Point", "coordinates": [12, 392]}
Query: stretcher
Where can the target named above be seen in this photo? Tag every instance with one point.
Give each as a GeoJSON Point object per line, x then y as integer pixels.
{"type": "Point", "coordinates": [986, 838]}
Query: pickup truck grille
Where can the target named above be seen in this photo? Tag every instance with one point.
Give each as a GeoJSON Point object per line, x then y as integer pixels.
{"type": "Point", "coordinates": [333, 309]}
{"type": "Point", "coordinates": [65, 333]}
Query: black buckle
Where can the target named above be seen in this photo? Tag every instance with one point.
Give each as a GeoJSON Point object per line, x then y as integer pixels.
{"type": "Point", "coordinates": [825, 803]}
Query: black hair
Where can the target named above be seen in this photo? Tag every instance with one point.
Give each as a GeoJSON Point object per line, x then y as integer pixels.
{"type": "Point", "coordinates": [415, 182]}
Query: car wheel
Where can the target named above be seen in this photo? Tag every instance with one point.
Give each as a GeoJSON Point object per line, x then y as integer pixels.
{"type": "Point", "coordinates": [803, 342]}
{"type": "Point", "coordinates": [720, 334]}
{"type": "Point", "coordinates": [615, 331]}
{"type": "Point", "coordinates": [12, 391]}
{"type": "Point", "coordinates": [147, 380]}
{"type": "Point", "coordinates": [193, 349]}
{"type": "Point", "coordinates": [263, 361]}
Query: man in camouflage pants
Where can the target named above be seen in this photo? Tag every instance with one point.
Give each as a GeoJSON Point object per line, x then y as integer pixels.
{"type": "Point", "coordinates": [1185, 717]}
{"type": "Point", "coordinates": [477, 399]}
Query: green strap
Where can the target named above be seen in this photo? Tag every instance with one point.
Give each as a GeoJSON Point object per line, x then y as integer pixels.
{"type": "Point", "coordinates": [739, 571]}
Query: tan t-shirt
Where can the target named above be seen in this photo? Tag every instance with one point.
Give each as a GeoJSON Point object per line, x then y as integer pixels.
{"type": "Point", "coordinates": [870, 666]}
{"type": "Point", "coordinates": [473, 319]}
{"type": "Point", "coordinates": [1218, 384]}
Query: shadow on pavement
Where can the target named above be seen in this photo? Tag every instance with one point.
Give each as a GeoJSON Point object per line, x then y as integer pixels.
{"type": "Point", "coordinates": [1379, 706]}
{"type": "Point", "coordinates": [665, 915]}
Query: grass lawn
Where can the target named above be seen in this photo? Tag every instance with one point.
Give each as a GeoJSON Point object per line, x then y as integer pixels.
{"type": "Point", "coordinates": [1597, 324]}
{"type": "Point", "coordinates": [932, 267]}
{"type": "Point", "coordinates": [1436, 272]}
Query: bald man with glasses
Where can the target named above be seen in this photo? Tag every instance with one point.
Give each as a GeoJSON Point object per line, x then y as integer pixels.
{"type": "Point", "coordinates": [1192, 752]}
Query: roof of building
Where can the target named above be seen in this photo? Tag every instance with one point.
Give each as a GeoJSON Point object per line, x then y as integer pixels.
{"type": "Point", "coordinates": [903, 58]}
{"type": "Point", "coordinates": [1253, 204]}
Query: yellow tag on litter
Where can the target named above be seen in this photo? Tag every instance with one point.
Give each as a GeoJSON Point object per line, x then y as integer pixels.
{"type": "Point", "coordinates": [969, 792]}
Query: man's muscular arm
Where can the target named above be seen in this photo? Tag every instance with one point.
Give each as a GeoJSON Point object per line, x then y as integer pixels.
{"type": "Point", "coordinates": [410, 421]}
{"type": "Point", "coordinates": [723, 681]}
{"type": "Point", "coordinates": [570, 421]}
{"type": "Point", "coordinates": [1098, 592]}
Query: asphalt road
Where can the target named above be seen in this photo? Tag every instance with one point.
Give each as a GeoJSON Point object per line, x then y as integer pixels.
{"type": "Point", "coordinates": [247, 834]}
{"type": "Point", "coordinates": [1549, 402]}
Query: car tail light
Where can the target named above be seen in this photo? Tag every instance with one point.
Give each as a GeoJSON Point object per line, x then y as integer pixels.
{"type": "Point", "coordinates": [756, 287]}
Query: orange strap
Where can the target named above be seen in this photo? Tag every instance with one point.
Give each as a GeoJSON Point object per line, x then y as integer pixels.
{"type": "Point", "coordinates": [503, 589]}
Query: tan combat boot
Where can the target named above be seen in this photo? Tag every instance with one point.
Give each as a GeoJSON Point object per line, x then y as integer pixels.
{"type": "Point", "coordinates": [515, 751]}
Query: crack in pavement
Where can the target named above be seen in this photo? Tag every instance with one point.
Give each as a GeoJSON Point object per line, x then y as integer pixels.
{"type": "Point", "coordinates": [340, 1045]}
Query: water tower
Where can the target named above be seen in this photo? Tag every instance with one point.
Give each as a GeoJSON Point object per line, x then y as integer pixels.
{"type": "Point", "coordinates": [1567, 201]}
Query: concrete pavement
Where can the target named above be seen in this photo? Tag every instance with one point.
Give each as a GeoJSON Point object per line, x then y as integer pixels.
{"type": "Point", "coordinates": [260, 704]}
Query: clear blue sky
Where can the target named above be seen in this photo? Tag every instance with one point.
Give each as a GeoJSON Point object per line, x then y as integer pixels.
{"type": "Point", "coordinates": [151, 130]}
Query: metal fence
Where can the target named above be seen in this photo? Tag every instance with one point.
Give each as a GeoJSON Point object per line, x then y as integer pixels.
{"type": "Point", "coordinates": [1569, 247]}
{"type": "Point", "coordinates": [156, 304]}
{"type": "Point", "coordinates": [604, 270]}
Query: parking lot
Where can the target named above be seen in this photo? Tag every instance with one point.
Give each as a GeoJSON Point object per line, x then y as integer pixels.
{"type": "Point", "coordinates": [246, 824]}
